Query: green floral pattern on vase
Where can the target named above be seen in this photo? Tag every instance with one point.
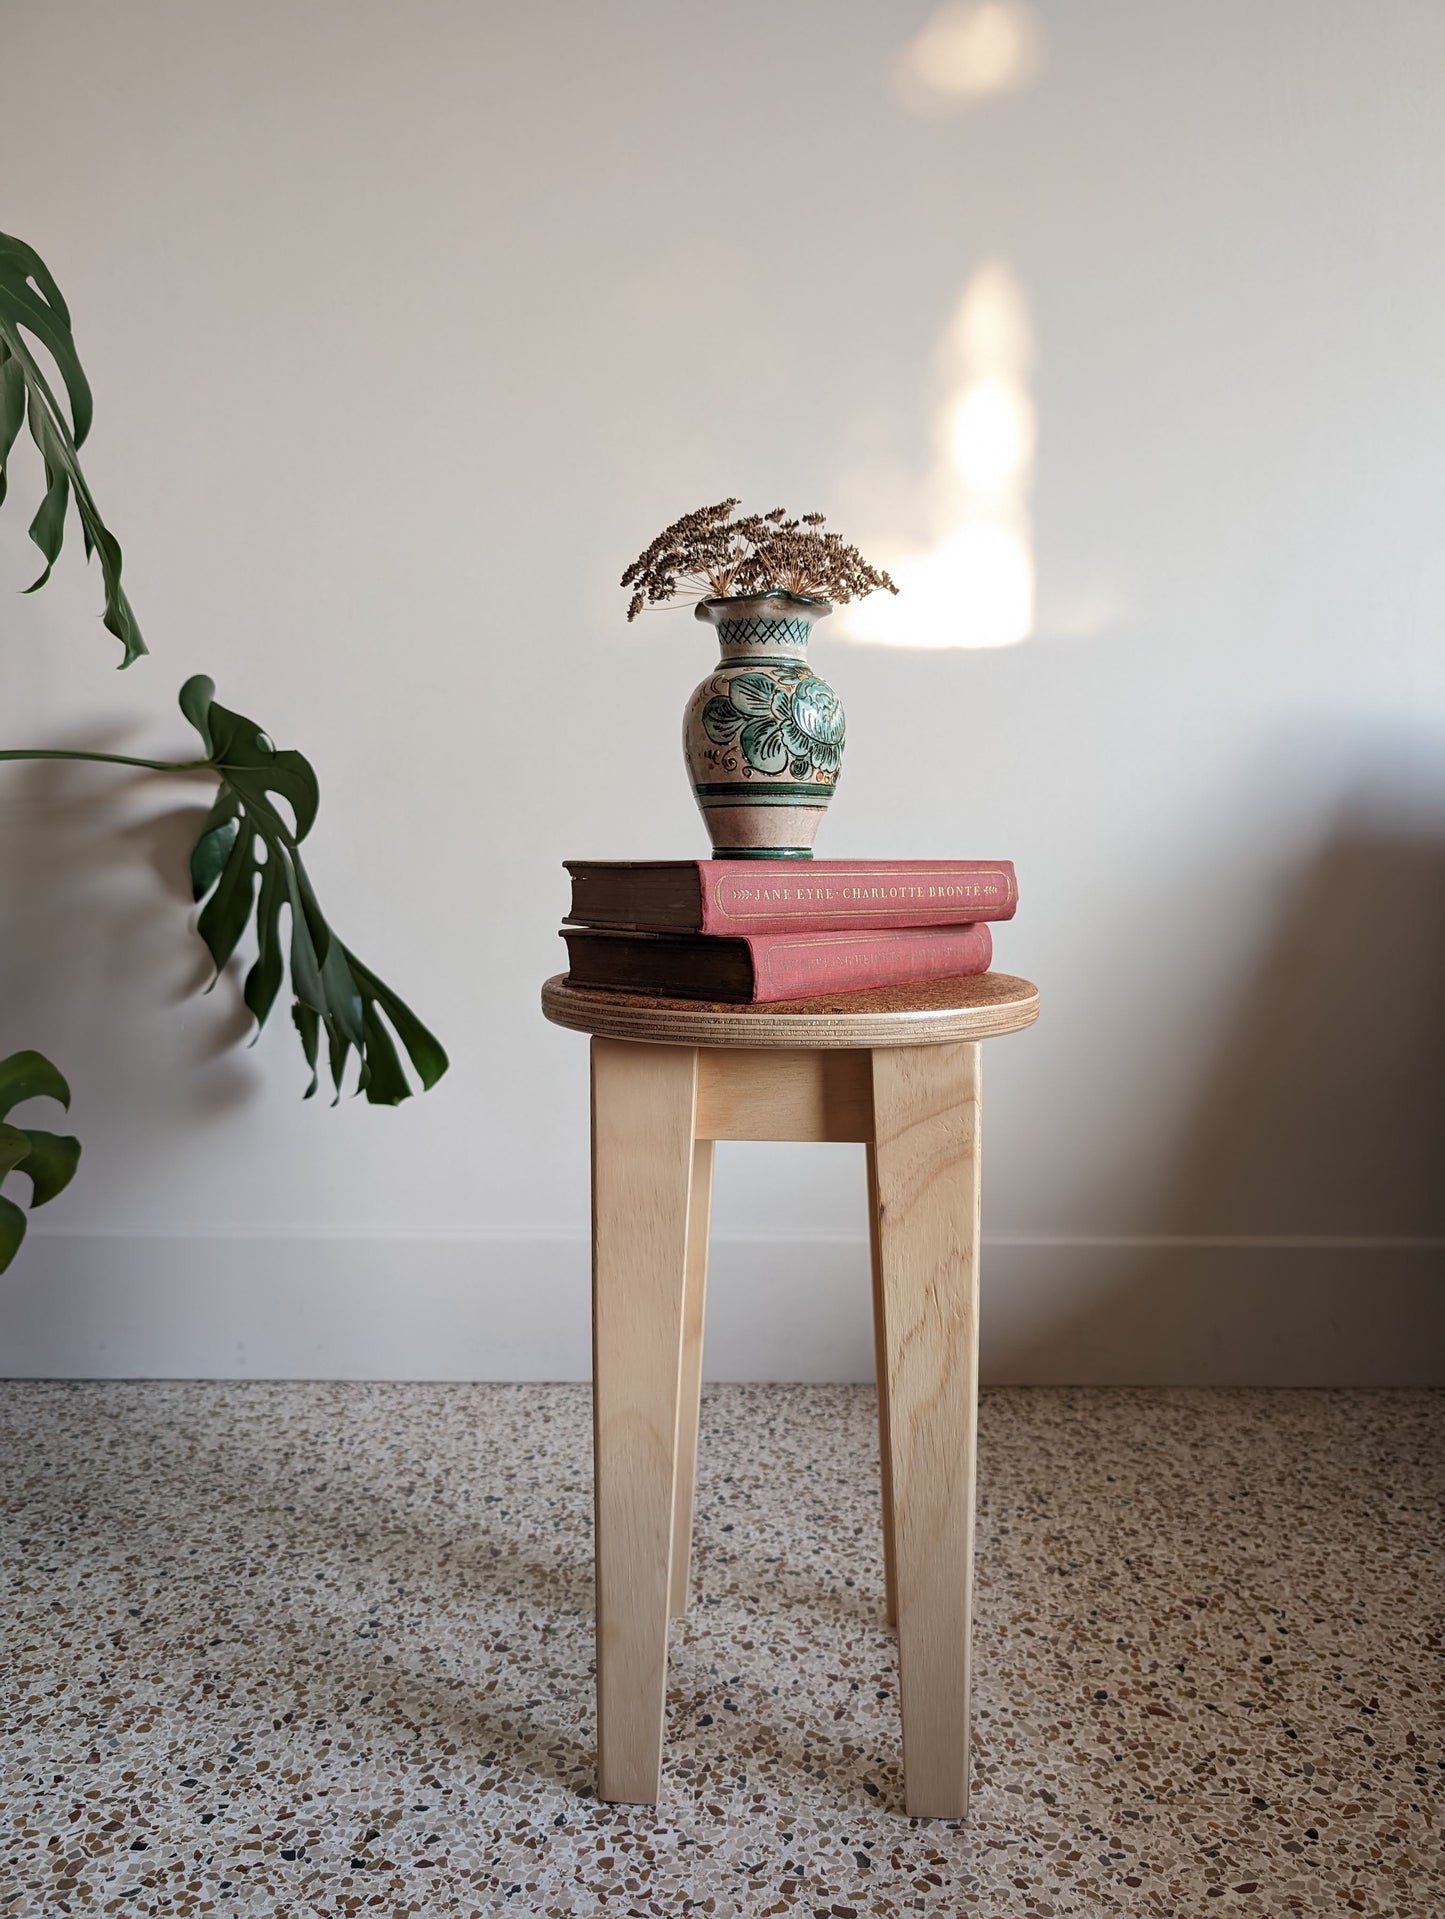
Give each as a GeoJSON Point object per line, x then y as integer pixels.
{"type": "Point", "coordinates": [798, 728]}
{"type": "Point", "coordinates": [763, 733]}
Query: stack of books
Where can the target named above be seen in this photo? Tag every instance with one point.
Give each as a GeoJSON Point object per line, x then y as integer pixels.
{"type": "Point", "coordinates": [747, 932]}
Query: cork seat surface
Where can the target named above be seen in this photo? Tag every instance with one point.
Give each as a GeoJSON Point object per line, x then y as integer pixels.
{"type": "Point", "coordinates": [913, 1013]}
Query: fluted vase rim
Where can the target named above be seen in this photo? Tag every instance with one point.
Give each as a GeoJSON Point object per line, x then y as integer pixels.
{"type": "Point", "coordinates": [776, 603]}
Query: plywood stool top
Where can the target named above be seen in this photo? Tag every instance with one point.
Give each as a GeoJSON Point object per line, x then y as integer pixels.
{"type": "Point", "coordinates": [917, 1013]}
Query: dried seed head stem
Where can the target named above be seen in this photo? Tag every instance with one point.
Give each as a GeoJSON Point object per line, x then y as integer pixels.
{"type": "Point", "coordinates": [708, 554]}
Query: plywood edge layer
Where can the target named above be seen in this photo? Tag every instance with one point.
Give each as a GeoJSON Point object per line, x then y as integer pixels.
{"type": "Point", "coordinates": [921, 1013]}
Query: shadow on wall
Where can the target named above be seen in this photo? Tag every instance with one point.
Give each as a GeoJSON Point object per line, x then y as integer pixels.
{"type": "Point", "coordinates": [98, 934]}
{"type": "Point", "coordinates": [1308, 1201]}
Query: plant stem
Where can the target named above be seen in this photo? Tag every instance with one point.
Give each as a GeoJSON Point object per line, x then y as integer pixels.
{"type": "Point", "coordinates": [106, 759]}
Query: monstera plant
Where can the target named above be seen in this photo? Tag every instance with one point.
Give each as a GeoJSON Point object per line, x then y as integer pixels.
{"type": "Point", "coordinates": [246, 869]}
{"type": "Point", "coordinates": [46, 1159]}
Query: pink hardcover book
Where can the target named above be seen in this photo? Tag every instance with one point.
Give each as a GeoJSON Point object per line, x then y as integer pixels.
{"type": "Point", "coordinates": [806, 896]}
{"type": "Point", "coordinates": [750, 968]}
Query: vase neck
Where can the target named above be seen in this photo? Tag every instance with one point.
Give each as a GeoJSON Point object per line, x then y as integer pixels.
{"type": "Point", "coordinates": [763, 638]}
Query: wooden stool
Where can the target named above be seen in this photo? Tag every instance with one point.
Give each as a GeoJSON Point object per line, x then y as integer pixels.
{"type": "Point", "coordinates": [897, 1068]}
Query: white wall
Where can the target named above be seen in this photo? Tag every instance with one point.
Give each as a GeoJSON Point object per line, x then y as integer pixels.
{"type": "Point", "coordinates": [410, 325]}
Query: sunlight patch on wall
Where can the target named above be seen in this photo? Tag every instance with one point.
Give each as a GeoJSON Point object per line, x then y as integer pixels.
{"type": "Point", "coordinates": [966, 50]}
{"type": "Point", "coordinates": [972, 584]}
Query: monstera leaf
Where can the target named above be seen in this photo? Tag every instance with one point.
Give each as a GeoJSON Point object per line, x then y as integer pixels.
{"type": "Point", "coordinates": [248, 859]}
{"type": "Point", "coordinates": [47, 1159]}
{"type": "Point", "coordinates": [31, 303]}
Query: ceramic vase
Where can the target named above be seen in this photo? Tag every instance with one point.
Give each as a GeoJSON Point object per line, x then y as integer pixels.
{"type": "Point", "coordinates": [763, 733]}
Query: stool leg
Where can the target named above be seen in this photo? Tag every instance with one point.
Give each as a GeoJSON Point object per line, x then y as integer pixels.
{"type": "Point", "coordinates": [926, 1116]}
{"type": "Point", "coordinates": [690, 1398]}
{"type": "Point", "coordinates": [643, 1106]}
{"type": "Point", "coordinates": [880, 1370]}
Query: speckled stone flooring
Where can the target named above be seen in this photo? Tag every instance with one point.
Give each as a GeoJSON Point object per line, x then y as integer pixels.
{"type": "Point", "coordinates": [327, 1649]}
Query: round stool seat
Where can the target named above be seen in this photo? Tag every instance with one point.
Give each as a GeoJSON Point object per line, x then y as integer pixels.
{"type": "Point", "coordinates": [917, 1013]}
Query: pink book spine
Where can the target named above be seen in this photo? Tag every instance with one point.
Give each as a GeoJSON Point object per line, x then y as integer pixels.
{"type": "Point", "coordinates": [841, 895]}
{"type": "Point", "coordinates": [786, 966]}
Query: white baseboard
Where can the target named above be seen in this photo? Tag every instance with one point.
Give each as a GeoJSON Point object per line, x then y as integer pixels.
{"type": "Point", "coordinates": [1221, 1311]}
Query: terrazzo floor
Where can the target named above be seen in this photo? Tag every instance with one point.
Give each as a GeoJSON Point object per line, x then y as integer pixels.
{"type": "Point", "coordinates": [327, 1649]}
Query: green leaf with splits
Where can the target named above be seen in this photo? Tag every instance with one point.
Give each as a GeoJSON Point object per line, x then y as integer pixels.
{"type": "Point", "coordinates": [248, 871]}
{"type": "Point", "coordinates": [33, 313]}
{"type": "Point", "coordinates": [48, 1160]}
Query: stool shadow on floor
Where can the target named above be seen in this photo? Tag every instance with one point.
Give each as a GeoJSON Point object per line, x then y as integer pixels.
{"type": "Point", "coordinates": [390, 1625]}
{"type": "Point", "coordinates": [386, 1607]}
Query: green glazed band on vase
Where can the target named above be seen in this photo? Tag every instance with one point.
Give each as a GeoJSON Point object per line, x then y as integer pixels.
{"type": "Point", "coordinates": [763, 734]}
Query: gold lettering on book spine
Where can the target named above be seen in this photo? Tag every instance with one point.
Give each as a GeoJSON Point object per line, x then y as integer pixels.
{"type": "Point", "coordinates": [733, 898]}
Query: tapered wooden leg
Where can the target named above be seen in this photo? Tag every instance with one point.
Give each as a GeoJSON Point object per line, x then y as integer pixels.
{"type": "Point", "coordinates": [880, 1369]}
{"type": "Point", "coordinates": [643, 1104]}
{"type": "Point", "coordinates": [926, 1117]}
{"type": "Point", "coordinates": [690, 1396]}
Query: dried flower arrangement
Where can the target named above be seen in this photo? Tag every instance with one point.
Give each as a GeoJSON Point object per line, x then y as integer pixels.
{"type": "Point", "coordinates": [708, 554]}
